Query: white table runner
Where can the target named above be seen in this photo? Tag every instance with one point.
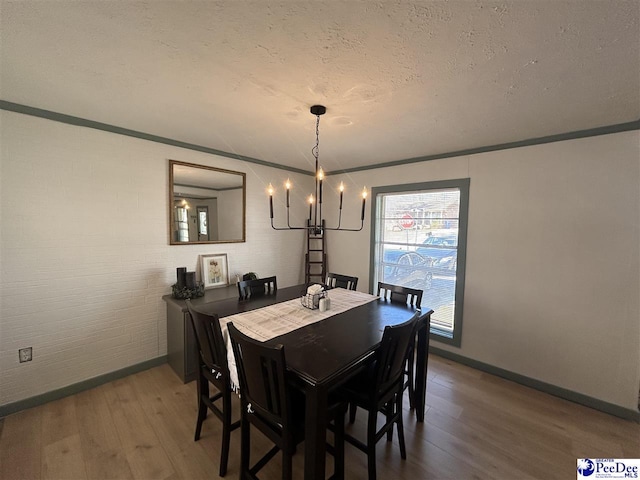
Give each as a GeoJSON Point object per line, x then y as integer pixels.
{"type": "Point", "coordinates": [269, 322]}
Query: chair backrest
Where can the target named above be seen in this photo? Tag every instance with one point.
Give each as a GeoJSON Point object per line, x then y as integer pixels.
{"type": "Point", "coordinates": [209, 339]}
{"type": "Point", "coordinates": [262, 376]}
{"type": "Point", "coordinates": [335, 280]}
{"type": "Point", "coordinates": [254, 288]}
{"type": "Point", "coordinates": [398, 294]}
{"type": "Point", "coordinates": [392, 354]}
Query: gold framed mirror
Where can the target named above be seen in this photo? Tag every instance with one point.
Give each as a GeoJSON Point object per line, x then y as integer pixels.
{"type": "Point", "coordinates": [206, 204]}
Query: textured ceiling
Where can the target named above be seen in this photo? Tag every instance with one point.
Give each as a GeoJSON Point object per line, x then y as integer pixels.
{"type": "Point", "coordinates": [400, 79]}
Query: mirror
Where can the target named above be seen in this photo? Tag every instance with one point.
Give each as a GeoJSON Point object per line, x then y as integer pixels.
{"type": "Point", "coordinates": [207, 204]}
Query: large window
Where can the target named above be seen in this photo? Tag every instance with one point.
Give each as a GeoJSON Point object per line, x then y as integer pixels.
{"type": "Point", "coordinates": [419, 241]}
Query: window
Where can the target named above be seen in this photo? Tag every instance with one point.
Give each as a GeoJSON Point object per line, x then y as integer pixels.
{"type": "Point", "coordinates": [203, 223]}
{"type": "Point", "coordinates": [419, 240]}
{"type": "Point", "coordinates": [182, 224]}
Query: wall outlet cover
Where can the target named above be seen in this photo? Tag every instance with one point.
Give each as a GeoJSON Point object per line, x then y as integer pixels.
{"type": "Point", "coordinates": [25, 354]}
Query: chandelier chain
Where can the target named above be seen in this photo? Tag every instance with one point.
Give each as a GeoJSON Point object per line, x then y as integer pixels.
{"type": "Point", "coordinates": [316, 149]}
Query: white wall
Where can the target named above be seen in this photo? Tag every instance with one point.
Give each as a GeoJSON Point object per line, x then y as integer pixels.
{"type": "Point", "coordinates": [88, 299]}
{"type": "Point", "coordinates": [553, 271]}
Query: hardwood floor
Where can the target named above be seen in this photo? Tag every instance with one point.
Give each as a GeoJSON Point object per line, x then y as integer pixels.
{"type": "Point", "coordinates": [477, 426]}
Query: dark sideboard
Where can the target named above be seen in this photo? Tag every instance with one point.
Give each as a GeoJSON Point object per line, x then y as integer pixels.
{"type": "Point", "coordinates": [181, 342]}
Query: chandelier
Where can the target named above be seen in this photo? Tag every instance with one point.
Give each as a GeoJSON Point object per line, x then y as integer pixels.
{"type": "Point", "coordinates": [315, 222]}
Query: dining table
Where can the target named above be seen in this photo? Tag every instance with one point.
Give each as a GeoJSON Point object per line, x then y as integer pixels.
{"type": "Point", "coordinates": [324, 354]}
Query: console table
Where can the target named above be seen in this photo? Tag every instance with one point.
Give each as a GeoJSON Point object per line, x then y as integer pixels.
{"type": "Point", "coordinates": [181, 342]}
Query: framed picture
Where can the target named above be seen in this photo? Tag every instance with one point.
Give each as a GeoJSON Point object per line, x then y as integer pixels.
{"type": "Point", "coordinates": [214, 270]}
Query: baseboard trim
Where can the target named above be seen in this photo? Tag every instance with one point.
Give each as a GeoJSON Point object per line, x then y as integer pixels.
{"type": "Point", "coordinates": [554, 390]}
{"type": "Point", "coordinates": [79, 387]}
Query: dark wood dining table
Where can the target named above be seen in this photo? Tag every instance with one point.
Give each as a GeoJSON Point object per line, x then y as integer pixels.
{"type": "Point", "coordinates": [327, 353]}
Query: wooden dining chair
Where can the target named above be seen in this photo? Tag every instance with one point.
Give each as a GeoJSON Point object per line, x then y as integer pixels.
{"type": "Point", "coordinates": [335, 280]}
{"type": "Point", "coordinates": [380, 388]}
{"type": "Point", "coordinates": [413, 297]}
{"type": "Point", "coordinates": [272, 406]}
{"type": "Point", "coordinates": [213, 369]}
{"type": "Point", "coordinates": [254, 288]}
{"type": "Point", "coordinates": [398, 294]}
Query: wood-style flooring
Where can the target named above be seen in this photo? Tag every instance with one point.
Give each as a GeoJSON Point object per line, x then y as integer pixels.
{"type": "Point", "coordinates": [477, 426]}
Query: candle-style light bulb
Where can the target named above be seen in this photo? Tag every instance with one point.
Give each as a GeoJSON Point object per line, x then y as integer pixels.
{"type": "Point", "coordinates": [364, 201]}
{"type": "Point", "coordinates": [320, 179]}
{"type": "Point", "coordinates": [270, 191]}
{"type": "Point", "coordinates": [310, 206]}
{"type": "Point", "coordinates": [287, 185]}
{"type": "Point", "coordinates": [341, 193]}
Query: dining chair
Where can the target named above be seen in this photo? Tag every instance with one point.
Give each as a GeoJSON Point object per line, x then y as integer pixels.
{"type": "Point", "coordinates": [213, 369]}
{"type": "Point", "coordinates": [411, 296]}
{"type": "Point", "coordinates": [335, 280]}
{"type": "Point", "coordinates": [274, 407]}
{"type": "Point", "coordinates": [254, 288]}
{"type": "Point", "coordinates": [380, 388]}
{"type": "Point", "coordinates": [398, 294]}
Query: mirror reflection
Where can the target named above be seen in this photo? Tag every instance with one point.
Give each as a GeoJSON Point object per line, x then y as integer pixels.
{"type": "Point", "coordinates": [207, 204]}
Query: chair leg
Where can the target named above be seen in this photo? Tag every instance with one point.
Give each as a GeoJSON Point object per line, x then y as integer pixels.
{"type": "Point", "coordinates": [371, 443]}
{"type": "Point", "coordinates": [399, 422]}
{"type": "Point", "coordinates": [245, 446]}
{"type": "Point", "coordinates": [203, 392]}
{"type": "Point", "coordinates": [410, 380]}
{"type": "Point", "coordinates": [388, 411]}
{"type": "Point", "coordinates": [226, 432]}
{"type": "Point", "coordinates": [287, 465]}
{"type": "Point", "coordinates": [352, 412]}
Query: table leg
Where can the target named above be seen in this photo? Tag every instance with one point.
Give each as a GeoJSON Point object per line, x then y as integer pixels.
{"type": "Point", "coordinates": [422, 356]}
{"type": "Point", "coordinates": [315, 432]}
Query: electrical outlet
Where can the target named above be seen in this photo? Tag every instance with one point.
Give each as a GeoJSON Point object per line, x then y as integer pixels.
{"type": "Point", "coordinates": [25, 354]}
